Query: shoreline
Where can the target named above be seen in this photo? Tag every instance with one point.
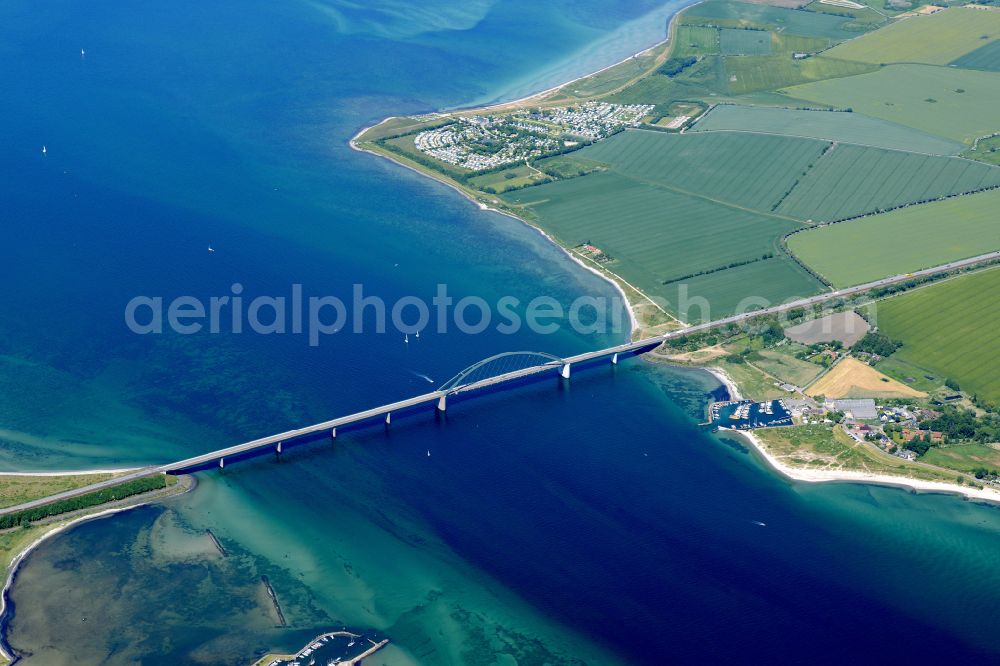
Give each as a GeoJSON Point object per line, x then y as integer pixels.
{"type": "Point", "coordinates": [630, 308]}
{"type": "Point", "coordinates": [633, 320]}
{"type": "Point", "coordinates": [805, 475]}
{"type": "Point", "coordinates": [560, 86]}
{"type": "Point", "coordinates": [989, 495]}
{"type": "Point", "coordinates": [21, 556]}
{"type": "Point", "coordinates": [795, 474]}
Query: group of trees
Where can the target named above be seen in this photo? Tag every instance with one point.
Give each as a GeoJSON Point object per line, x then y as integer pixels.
{"type": "Point", "coordinates": [876, 343]}
{"type": "Point", "coordinates": [709, 271]}
{"type": "Point", "coordinates": [675, 66]}
{"type": "Point", "coordinates": [765, 332]}
{"type": "Point", "coordinates": [103, 496]}
{"type": "Point", "coordinates": [964, 424]}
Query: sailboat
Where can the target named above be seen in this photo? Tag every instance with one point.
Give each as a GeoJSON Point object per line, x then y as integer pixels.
{"type": "Point", "coordinates": [406, 338]}
{"type": "Point", "coordinates": [44, 150]}
{"type": "Point", "coordinates": [211, 249]}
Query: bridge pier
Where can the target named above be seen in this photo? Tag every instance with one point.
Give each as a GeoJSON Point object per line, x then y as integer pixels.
{"type": "Point", "coordinates": [222, 463]}
{"type": "Point", "coordinates": [277, 451]}
{"type": "Point", "coordinates": [564, 371]}
{"type": "Point", "coordinates": [442, 403]}
{"type": "Point", "coordinates": [333, 433]}
{"type": "Point", "coordinates": [388, 418]}
{"type": "Point", "coordinates": [614, 359]}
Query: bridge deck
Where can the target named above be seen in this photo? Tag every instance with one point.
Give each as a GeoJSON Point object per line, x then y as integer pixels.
{"type": "Point", "coordinates": [637, 347]}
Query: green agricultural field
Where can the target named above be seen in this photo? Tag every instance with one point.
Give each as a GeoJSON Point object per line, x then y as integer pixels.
{"type": "Point", "coordinates": [951, 329]}
{"type": "Point", "coordinates": [568, 166]}
{"type": "Point", "coordinates": [865, 17]}
{"type": "Point", "coordinates": [854, 180]}
{"type": "Point", "coordinates": [936, 39]}
{"type": "Point", "coordinates": [696, 40]}
{"type": "Point", "coordinates": [508, 179]}
{"type": "Point", "coordinates": [960, 104]}
{"type": "Point", "coordinates": [786, 367]}
{"type": "Point", "coordinates": [773, 72]}
{"type": "Point", "coordinates": [743, 288]}
{"type": "Point", "coordinates": [654, 89]}
{"type": "Point", "coordinates": [655, 235]}
{"type": "Point", "coordinates": [727, 13]}
{"type": "Point", "coordinates": [964, 457]}
{"type": "Point", "coordinates": [826, 125]}
{"type": "Point", "coordinates": [706, 78]}
{"type": "Point", "coordinates": [784, 43]}
{"type": "Point", "coordinates": [750, 170]}
{"type": "Point", "coordinates": [901, 241]}
{"type": "Point", "coordinates": [985, 57]}
{"type": "Point", "coordinates": [735, 41]}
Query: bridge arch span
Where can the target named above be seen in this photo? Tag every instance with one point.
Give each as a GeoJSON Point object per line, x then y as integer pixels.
{"type": "Point", "coordinates": [500, 364]}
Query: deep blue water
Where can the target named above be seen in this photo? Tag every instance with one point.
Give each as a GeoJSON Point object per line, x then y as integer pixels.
{"type": "Point", "coordinates": [557, 521]}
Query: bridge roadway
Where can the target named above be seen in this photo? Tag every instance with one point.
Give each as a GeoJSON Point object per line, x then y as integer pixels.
{"type": "Point", "coordinates": [271, 442]}
{"type": "Point", "coordinates": [639, 346]}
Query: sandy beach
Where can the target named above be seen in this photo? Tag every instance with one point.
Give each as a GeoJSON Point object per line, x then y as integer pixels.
{"type": "Point", "coordinates": [848, 476]}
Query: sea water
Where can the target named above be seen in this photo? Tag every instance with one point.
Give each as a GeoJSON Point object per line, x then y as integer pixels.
{"type": "Point", "coordinates": [587, 520]}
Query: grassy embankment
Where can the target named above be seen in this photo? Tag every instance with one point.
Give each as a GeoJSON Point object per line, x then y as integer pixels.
{"type": "Point", "coordinates": [19, 488]}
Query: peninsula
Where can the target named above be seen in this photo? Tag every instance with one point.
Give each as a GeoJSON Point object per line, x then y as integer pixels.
{"type": "Point", "coordinates": [773, 152]}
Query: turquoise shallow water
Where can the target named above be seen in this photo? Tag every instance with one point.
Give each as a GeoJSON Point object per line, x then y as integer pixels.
{"type": "Point", "coordinates": [587, 521]}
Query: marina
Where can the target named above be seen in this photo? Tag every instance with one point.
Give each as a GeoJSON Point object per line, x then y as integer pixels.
{"type": "Point", "coordinates": [335, 648]}
{"type": "Point", "coordinates": [747, 415]}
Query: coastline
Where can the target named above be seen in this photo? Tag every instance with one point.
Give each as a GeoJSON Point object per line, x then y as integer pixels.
{"type": "Point", "coordinates": [19, 558]}
{"type": "Point", "coordinates": [559, 86]}
{"type": "Point", "coordinates": [806, 475]}
{"type": "Point", "coordinates": [795, 474]}
{"type": "Point", "coordinates": [633, 320]}
{"type": "Point", "coordinates": [611, 277]}
{"type": "Point", "coordinates": [989, 495]}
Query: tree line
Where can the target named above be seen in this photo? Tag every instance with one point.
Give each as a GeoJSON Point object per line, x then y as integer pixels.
{"type": "Point", "coordinates": [102, 496]}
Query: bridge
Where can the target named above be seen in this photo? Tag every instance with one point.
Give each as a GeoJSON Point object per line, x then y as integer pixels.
{"type": "Point", "coordinates": [493, 371]}
{"type": "Point", "coordinates": [511, 366]}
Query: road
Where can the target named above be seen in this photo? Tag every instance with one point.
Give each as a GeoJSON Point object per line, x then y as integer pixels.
{"type": "Point", "coordinates": [272, 441]}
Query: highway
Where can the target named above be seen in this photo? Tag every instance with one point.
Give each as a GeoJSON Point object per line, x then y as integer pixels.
{"type": "Point", "coordinates": [438, 398]}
